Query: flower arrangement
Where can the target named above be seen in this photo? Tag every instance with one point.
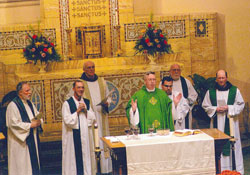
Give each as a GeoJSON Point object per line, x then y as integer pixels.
{"type": "Point", "coordinates": [40, 48]}
{"type": "Point", "coordinates": [152, 41]}
{"type": "Point", "coordinates": [228, 172]}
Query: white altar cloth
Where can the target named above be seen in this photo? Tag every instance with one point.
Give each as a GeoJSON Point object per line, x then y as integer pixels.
{"type": "Point", "coordinates": [170, 155]}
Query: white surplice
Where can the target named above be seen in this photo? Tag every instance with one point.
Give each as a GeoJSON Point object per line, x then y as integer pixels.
{"type": "Point", "coordinates": [180, 112]}
{"type": "Point", "coordinates": [192, 95]}
{"type": "Point", "coordinates": [233, 110]}
{"type": "Point", "coordinates": [70, 122]}
{"type": "Point", "coordinates": [18, 152]}
{"type": "Point", "coordinates": [106, 163]}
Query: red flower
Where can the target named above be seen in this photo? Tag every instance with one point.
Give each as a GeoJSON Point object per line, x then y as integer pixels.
{"type": "Point", "coordinates": [155, 31]}
{"type": "Point", "coordinates": [43, 55]}
{"type": "Point", "coordinates": [45, 50]}
{"type": "Point", "coordinates": [34, 36]}
{"type": "Point", "coordinates": [147, 40]}
{"type": "Point", "coordinates": [33, 49]}
{"type": "Point", "coordinates": [26, 37]}
{"type": "Point", "coordinates": [145, 51]}
{"type": "Point", "coordinates": [52, 44]}
{"type": "Point", "coordinates": [140, 37]}
{"type": "Point", "coordinates": [24, 50]}
{"type": "Point", "coordinates": [149, 44]}
{"type": "Point", "coordinates": [149, 25]}
{"type": "Point", "coordinates": [165, 42]}
{"type": "Point", "coordinates": [158, 45]}
{"type": "Point", "coordinates": [162, 36]}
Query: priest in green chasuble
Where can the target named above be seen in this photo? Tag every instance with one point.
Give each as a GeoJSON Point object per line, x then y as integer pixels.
{"type": "Point", "coordinates": [149, 106]}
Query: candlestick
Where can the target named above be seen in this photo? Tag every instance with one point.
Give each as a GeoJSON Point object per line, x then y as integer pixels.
{"type": "Point", "coordinates": [97, 140]}
{"type": "Point", "coordinates": [231, 125]}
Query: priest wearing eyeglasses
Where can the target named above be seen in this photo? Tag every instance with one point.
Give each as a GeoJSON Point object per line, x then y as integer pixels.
{"type": "Point", "coordinates": [180, 105]}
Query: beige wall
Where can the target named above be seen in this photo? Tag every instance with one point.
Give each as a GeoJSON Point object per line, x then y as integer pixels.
{"type": "Point", "coordinates": [19, 12]}
{"type": "Point", "coordinates": [233, 32]}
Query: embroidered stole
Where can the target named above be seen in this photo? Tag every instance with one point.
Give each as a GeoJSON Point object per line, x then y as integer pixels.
{"type": "Point", "coordinates": [102, 87]}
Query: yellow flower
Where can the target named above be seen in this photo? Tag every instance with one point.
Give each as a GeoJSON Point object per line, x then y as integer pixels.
{"type": "Point", "coordinates": [143, 30]}
{"type": "Point", "coordinates": [38, 44]}
{"type": "Point", "coordinates": [156, 40]}
{"type": "Point", "coordinates": [50, 50]}
{"type": "Point", "coordinates": [140, 46]}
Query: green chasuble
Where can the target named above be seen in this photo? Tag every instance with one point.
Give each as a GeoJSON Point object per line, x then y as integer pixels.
{"type": "Point", "coordinates": [152, 106]}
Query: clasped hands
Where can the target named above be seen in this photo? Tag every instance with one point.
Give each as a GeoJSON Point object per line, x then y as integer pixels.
{"type": "Point", "coordinates": [82, 108]}
{"type": "Point", "coordinates": [222, 109]}
{"type": "Point", "coordinates": [35, 123]}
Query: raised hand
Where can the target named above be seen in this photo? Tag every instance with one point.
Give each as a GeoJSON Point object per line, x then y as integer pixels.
{"type": "Point", "coordinates": [177, 99]}
{"type": "Point", "coordinates": [134, 105]}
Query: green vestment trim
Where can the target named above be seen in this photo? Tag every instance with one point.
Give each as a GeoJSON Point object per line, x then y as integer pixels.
{"type": "Point", "coordinates": [152, 106]}
{"type": "Point", "coordinates": [230, 101]}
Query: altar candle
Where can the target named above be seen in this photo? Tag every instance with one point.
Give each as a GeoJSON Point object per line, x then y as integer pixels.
{"type": "Point", "coordinates": [231, 125]}
{"type": "Point", "coordinates": [97, 144]}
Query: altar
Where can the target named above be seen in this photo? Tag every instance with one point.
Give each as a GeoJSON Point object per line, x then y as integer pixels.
{"type": "Point", "coordinates": [195, 154]}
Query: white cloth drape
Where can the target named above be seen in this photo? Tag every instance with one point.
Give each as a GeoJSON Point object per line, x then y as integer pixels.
{"type": "Point", "coordinates": [170, 155]}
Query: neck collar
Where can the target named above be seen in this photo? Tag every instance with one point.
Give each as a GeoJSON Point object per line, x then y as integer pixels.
{"type": "Point", "coordinates": [84, 77]}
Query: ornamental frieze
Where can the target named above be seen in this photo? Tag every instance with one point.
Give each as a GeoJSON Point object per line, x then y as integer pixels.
{"type": "Point", "coordinates": [174, 29]}
{"type": "Point", "coordinates": [17, 39]}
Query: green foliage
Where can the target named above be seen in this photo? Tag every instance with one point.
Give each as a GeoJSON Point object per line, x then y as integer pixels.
{"type": "Point", "coordinates": [201, 85]}
{"type": "Point", "coordinates": [152, 41]}
{"type": "Point", "coordinates": [40, 48]}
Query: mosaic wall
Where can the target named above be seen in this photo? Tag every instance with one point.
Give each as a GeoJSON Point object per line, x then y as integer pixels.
{"type": "Point", "coordinates": [37, 97]}
{"type": "Point", "coordinates": [127, 85]}
{"type": "Point", "coordinates": [174, 29]}
{"type": "Point", "coordinates": [123, 87]}
{"type": "Point", "coordinates": [16, 39]}
{"type": "Point", "coordinates": [59, 89]}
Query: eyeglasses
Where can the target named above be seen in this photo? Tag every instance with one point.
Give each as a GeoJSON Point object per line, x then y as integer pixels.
{"type": "Point", "coordinates": [176, 70]}
{"type": "Point", "coordinates": [168, 85]}
{"type": "Point", "coordinates": [91, 67]}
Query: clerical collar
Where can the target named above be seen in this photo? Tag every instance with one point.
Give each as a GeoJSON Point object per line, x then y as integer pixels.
{"type": "Point", "coordinates": [84, 77]}
{"type": "Point", "coordinates": [228, 86]}
{"type": "Point", "coordinates": [77, 99]}
{"type": "Point", "coordinates": [176, 79]}
{"type": "Point", "coordinates": [150, 90]}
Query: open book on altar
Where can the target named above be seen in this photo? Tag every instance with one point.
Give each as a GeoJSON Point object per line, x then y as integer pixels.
{"type": "Point", "coordinates": [186, 132]}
